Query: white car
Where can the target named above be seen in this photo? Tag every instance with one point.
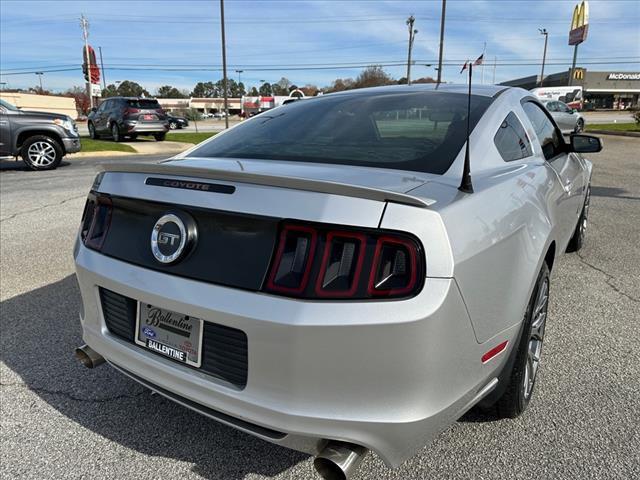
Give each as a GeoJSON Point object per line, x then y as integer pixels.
{"type": "Point", "coordinates": [568, 119]}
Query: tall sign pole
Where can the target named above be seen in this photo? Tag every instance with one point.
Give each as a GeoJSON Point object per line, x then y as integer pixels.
{"type": "Point", "coordinates": [578, 32]}
{"type": "Point", "coordinates": [442, 16]}
{"type": "Point", "coordinates": [412, 36]}
{"type": "Point", "coordinates": [543, 31]}
{"type": "Point", "coordinates": [84, 24]}
{"type": "Point", "coordinates": [104, 77]}
{"type": "Point", "coordinates": [224, 68]}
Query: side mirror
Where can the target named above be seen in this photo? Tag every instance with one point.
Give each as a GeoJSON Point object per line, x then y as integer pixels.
{"type": "Point", "coordinates": [585, 143]}
{"type": "Point", "coordinates": [574, 110]}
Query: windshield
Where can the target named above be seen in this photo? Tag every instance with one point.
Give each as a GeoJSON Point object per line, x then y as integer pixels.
{"type": "Point", "coordinates": [8, 106]}
{"type": "Point", "coordinates": [419, 131]}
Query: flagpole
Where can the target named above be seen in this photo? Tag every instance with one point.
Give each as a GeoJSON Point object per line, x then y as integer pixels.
{"type": "Point", "coordinates": [466, 185]}
{"type": "Point", "coordinates": [484, 49]}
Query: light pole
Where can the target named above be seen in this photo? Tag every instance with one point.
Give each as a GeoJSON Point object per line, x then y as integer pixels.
{"type": "Point", "coordinates": [444, 9]}
{"type": "Point", "coordinates": [224, 67]}
{"type": "Point", "coordinates": [239, 72]}
{"type": "Point", "coordinates": [412, 35]}
{"type": "Point", "coordinates": [40, 77]}
{"type": "Point", "coordinates": [543, 31]}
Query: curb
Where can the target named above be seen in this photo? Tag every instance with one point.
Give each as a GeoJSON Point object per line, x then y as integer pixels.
{"type": "Point", "coordinates": [101, 153]}
{"type": "Point", "coordinates": [613, 132]}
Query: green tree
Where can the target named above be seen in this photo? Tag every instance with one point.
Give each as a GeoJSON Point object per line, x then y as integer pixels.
{"type": "Point", "coordinates": [254, 92]}
{"type": "Point", "coordinates": [281, 87]}
{"type": "Point", "coordinates": [127, 88]}
{"type": "Point", "coordinates": [265, 89]}
{"type": "Point", "coordinates": [204, 90]}
{"type": "Point", "coordinates": [167, 91]}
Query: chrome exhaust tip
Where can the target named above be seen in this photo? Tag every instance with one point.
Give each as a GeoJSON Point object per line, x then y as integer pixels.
{"type": "Point", "coordinates": [339, 460]}
{"type": "Point", "coordinates": [88, 356]}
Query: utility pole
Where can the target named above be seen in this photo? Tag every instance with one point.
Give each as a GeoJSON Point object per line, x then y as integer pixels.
{"type": "Point", "coordinates": [40, 77]}
{"type": "Point", "coordinates": [224, 67]}
{"type": "Point", "coordinates": [412, 36]}
{"type": "Point", "coordinates": [84, 24]}
{"type": "Point", "coordinates": [442, 15]}
{"type": "Point", "coordinates": [104, 77]}
{"type": "Point", "coordinates": [573, 64]}
{"type": "Point", "coordinates": [543, 31]}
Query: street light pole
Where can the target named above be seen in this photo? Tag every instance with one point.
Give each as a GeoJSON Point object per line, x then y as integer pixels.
{"type": "Point", "coordinates": [412, 34]}
{"type": "Point", "coordinates": [543, 31]}
{"type": "Point", "coordinates": [40, 77]}
{"type": "Point", "coordinates": [224, 67]}
{"type": "Point", "coordinates": [444, 9]}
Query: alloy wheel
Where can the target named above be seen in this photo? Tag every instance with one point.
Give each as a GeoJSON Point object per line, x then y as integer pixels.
{"type": "Point", "coordinates": [536, 336]}
{"type": "Point", "coordinates": [41, 154]}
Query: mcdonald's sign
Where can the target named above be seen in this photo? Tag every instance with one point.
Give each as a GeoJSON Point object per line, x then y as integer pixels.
{"type": "Point", "coordinates": [579, 23]}
{"type": "Point", "coordinates": [578, 74]}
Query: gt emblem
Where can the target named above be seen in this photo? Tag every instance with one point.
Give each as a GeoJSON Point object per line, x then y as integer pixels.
{"type": "Point", "coordinates": [169, 238]}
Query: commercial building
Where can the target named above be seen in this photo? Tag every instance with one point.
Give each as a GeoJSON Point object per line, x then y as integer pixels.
{"type": "Point", "coordinates": [41, 103]}
{"type": "Point", "coordinates": [612, 90]}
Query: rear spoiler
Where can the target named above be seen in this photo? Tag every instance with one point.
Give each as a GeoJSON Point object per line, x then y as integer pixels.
{"type": "Point", "coordinates": [296, 183]}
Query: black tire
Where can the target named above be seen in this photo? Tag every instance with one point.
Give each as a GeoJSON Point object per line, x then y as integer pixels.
{"type": "Point", "coordinates": [173, 125]}
{"type": "Point", "coordinates": [159, 136]}
{"type": "Point", "coordinates": [115, 132]}
{"type": "Point", "coordinates": [579, 126]}
{"type": "Point", "coordinates": [92, 131]}
{"type": "Point", "coordinates": [516, 397]}
{"type": "Point", "coordinates": [41, 152]}
{"type": "Point", "coordinates": [579, 234]}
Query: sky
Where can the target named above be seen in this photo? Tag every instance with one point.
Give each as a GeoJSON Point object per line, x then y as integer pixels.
{"type": "Point", "coordinates": [178, 42]}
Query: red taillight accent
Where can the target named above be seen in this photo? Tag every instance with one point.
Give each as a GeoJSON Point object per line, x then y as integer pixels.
{"type": "Point", "coordinates": [276, 281]}
{"type": "Point", "coordinates": [381, 279]}
{"type": "Point", "coordinates": [320, 261]}
{"type": "Point", "coordinates": [100, 221]}
{"type": "Point", "coordinates": [130, 110]}
{"type": "Point", "coordinates": [494, 351]}
{"type": "Point", "coordinates": [355, 264]}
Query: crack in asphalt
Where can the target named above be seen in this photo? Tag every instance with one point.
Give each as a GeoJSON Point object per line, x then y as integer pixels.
{"type": "Point", "coordinates": [18, 214]}
{"type": "Point", "coordinates": [609, 278]}
{"type": "Point", "coordinates": [70, 396]}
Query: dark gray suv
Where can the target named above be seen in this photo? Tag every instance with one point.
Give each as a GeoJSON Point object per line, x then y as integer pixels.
{"type": "Point", "coordinates": [40, 138]}
{"type": "Point", "coordinates": [121, 117]}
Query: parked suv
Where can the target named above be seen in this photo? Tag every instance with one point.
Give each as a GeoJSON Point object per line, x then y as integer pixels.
{"type": "Point", "coordinates": [122, 117]}
{"type": "Point", "coordinates": [40, 138]}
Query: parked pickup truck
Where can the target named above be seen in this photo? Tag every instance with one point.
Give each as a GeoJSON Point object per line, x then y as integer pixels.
{"type": "Point", "coordinates": [40, 138]}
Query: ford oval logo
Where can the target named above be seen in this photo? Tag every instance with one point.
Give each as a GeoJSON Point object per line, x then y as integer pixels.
{"type": "Point", "coordinates": [149, 332]}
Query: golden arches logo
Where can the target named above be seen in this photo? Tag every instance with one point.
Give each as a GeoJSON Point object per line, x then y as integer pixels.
{"type": "Point", "coordinates": [578, 74]}
{"type": "Point", "coordinates": [580, 15]}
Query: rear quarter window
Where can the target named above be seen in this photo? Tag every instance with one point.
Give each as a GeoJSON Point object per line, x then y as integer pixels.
{"type": "Point", "coordinates": [511, 139]}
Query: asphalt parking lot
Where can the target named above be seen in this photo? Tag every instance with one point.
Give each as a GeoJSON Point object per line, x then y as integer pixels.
{"type": "Point", "coordinates": [60, 420]}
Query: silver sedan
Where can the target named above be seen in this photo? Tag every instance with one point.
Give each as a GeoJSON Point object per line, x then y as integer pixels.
{"type": "Point", "coordinates": [568, 119]}
{"type": "Point", "coordinates": [348, 273]}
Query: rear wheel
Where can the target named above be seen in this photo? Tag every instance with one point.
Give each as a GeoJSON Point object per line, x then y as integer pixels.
{"type": "Point", "coordinates": [41, 153]}
{"type": "Point", "coordinates": [173, 125]}
{"type": "Point", "coordinates": [577, 241]}
{"type": "Point", "coordinates": [579, 126]}
{"type": "Point", "coordinates": [518, 394]}
{"type": "Point", "coordinates": [159, 136]}
{"type": "Point", "coordinates": [115, 132]}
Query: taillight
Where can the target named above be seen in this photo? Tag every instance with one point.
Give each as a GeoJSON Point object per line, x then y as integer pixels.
{"type": "Point", "coordinates": [131, 110]}
{"type": "Point", "coordinates": [96, 219]}
{"type": "Point", "coordinates": [321, 261]}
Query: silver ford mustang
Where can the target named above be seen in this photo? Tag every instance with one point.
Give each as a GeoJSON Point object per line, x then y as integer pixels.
{"type": "Point", "coordinates": [341, 274]}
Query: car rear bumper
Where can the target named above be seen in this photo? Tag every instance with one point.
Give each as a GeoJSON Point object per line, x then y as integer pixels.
{"type": "Point", "coordinates": [388, 375]}
{"type": "Point", "coordinates": [71, 145]}
{"type": "Point", "coordinates": [132, 126]}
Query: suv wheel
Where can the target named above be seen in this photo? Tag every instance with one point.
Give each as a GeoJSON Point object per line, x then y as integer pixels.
{"type": "Point", "coordinates": [41, 153]}
{"type": "Point", "coordinates": [115, 132]}
{"type": "Point", "coordinates": [173, 125]}
{"type": "Point", "coordinates": [159, 136]}
{"type": "Point", "coordinates": [92, 131]}
{"type": "Point", "coordinates": [518, 394]}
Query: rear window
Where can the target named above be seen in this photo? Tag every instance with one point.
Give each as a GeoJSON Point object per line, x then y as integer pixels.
{"type": "Point", "coordinates": [143, 103]}
{"type": "Point", "coordinates": [419, 131]}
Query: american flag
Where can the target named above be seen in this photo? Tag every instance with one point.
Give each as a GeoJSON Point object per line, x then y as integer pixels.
{"type": "Point", "coordinates": [478, 61]}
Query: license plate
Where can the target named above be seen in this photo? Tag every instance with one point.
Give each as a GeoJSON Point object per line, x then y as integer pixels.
{"type": "Point", "coordinates": [169, 333]}
{"type": "Point", "coordinates": [148, 117]}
